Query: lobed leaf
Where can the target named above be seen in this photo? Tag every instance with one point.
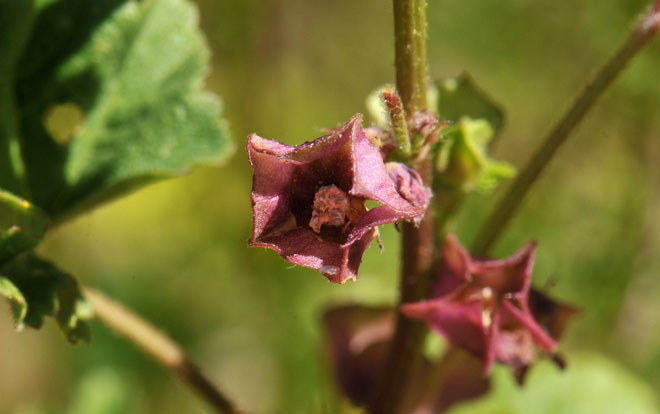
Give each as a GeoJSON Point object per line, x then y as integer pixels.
{"type": "Point", "coordinates": [133, 72]}
{"type": "Point", "coordinates": [36, 289]}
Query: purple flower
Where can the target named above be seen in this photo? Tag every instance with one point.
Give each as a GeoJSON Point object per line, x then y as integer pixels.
{"type": "Point", "coordinates": [483, 307]}
{"type": "Point", "coordinates": [308, 201]}
{"type": "Point", "coordinates": [358, 338]}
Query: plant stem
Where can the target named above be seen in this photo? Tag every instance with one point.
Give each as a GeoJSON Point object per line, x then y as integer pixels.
{"type": "Point", "coordinates": [417, 242]}
{"type": "Point", "coordinates": [504, 211]}
{"type": "Point", "coordinates": [410, 52]}
{"type": "Point", "coordinates": [158, 346]}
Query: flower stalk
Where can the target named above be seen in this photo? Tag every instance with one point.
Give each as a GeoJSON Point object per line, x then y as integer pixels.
{"type": "Point", "coordinates": [643, 31]}
{"type": "Point", "coordinates": [417, 241]}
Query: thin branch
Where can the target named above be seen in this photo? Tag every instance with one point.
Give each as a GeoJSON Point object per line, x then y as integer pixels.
{"type": "Point", "coordinates": [504, 211]}
{"type": "Point", "coordinates": [158, 346]}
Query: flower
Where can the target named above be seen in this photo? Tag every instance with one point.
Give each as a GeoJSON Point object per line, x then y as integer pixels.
{"type": "Point", "coordinates": [358, 340]}
{"type": "Point", "coordinates": [483, 307]}
{"type": "Point", "coordinates": [308, 201]}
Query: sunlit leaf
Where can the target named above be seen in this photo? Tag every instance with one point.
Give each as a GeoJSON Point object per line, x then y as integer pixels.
{"type": "Point", "coordinates": [22, 226]}
{"type": "Point", "coordinates": [126, 77]}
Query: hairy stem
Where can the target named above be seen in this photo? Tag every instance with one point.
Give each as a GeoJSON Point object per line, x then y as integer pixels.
{"type": "Point", "coordinates": [158, 346]}
{"type": "Point", "coordinates": [504, 211]}
{"type": "Point", "coordinates": [410, 53]}
{"type": "Point", "coordinates": [417, 242]}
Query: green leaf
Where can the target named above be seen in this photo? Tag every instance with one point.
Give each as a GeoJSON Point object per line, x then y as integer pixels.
{"type": "Point", "coordinates": [16, 299]}
{"type": "Point", "coordinates": [36, 289]}
{"type": "Point", "coordinates": [15, 22]}
{"type": "Point", "coordinates": [462, 161]}
{"type": "Point", "coordinates": [590, 384]}
{"type": "Point", "coordinates": [128, 75]}
{"type": "Point", "coordinates": [22, 225]}
{"type": "Point", "coordinates": [460, 96]}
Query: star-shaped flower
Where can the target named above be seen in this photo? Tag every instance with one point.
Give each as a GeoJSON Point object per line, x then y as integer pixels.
{"type": "Point", "coordinates": [483, 307]}
{"type": "Point", "coordinates": [308, 201]}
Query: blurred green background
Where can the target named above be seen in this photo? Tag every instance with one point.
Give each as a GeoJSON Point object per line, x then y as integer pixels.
{"type": "Point", "coordinates": [176, 252]}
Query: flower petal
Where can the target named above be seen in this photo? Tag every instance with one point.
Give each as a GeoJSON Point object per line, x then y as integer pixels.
{"type": "Point", "coordinates": [510, 275]}
{"type": "Point", "coordinates": [540, 337]}
{"type": "Point", "coordinates": [461, 323]}
{"type": "Point", "coordinates": [271, 178]}
{"type": "Point", "coordinates": [454, 270]}
{"type": "Point", "coordinates": [371, 179]}
{"type": "Point", "coordinates": [303, 248]}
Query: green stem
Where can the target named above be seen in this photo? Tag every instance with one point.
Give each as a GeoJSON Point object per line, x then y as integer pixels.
{"type": "Point", "coordinates": [417, 242]}
{"type": "Point", "coordinates": [158, 346]}
{"type": "Point", "coordinates": [504, 211]}
{"type": "Point", "coordinates": [410, 51]}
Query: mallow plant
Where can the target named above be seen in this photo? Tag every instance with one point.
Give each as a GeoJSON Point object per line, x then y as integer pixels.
{"type": "Point", "coordinates": [125, 78]}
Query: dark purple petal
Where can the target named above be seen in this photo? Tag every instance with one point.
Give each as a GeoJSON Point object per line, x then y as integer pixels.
{"type": "Point", "coordinates": [301, 247]}
{"type": "Point", "coordinates": [358, 338]}
{"type": "Point", "coordinates": [552, 315]}
{"type": "Point", "coordinates": [526, 320]}
{"type": "Point", "coordinates": [461, 379]}
{"type": "Point", "coordinates": [461, 323]}
{"type": "Point", "coordinates": [269, 184]}
{"type": "Point", "coordinates": [512, 275]}
{"type": "Point", "coordinates": [454, 271]}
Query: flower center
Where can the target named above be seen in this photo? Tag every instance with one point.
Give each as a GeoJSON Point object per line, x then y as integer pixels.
{"type": "Point", "coordinates": [331, 206]}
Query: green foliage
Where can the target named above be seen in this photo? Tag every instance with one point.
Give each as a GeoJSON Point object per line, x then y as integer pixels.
{"type": "Point", "coordinates": [97, 98]}
{"type": "Point", "coordinates": [105, 391]}
{"type": "Point", "coordinates": [22, 226]}
{"type": "Point", "coordinates": [134, 70]}
{"type": "Point", "coordinates": [463, 161]}
{"type": "Point", "coordinates": [592, 384]}
{"type": "Point", "coordinates": [36, 289]}
{"type": "Point", "coordinates": [460, 96]}
{"type": "Point", "coordinates": [15, 19]}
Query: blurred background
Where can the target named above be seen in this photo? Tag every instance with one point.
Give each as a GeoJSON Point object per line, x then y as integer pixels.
{"type": "Point", "coordinates": [176, 252]}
